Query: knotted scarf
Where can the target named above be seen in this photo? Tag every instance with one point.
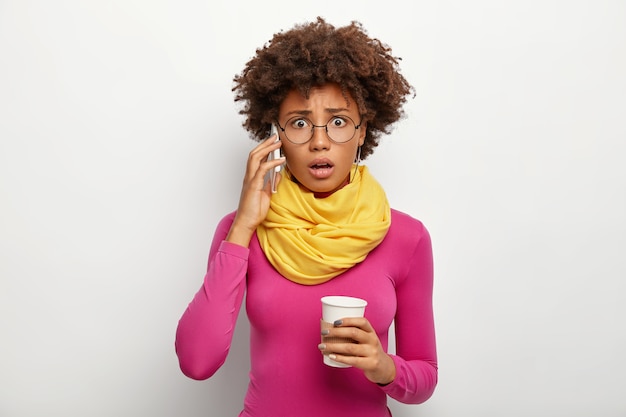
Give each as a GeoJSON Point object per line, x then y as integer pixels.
{"type": "Point", "coordinates": [311, 240]}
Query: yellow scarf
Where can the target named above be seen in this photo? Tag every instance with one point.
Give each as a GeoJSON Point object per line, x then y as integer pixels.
{"type": "Point", "coordinates": [311, 240]}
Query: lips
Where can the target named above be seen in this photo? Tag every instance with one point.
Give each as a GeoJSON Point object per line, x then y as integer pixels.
{"type": "Point", "coordinates": [321, 168]}
{"type": "Point", "coordinates": [321, 164]}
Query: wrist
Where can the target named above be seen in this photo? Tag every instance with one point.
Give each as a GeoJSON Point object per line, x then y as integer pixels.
{"type": "Point", "coordinates": [239, 235]}
{"type": "Point", "coordinates": [390, 374]}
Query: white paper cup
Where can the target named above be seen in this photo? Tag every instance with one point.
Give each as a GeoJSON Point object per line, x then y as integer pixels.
{"type": "Point", "coordinates": [335, 307]}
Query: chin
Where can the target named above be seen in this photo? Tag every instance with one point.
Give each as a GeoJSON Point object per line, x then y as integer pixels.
{"type": "Point", "coordinates": [320, 186]}
{"type": "Point", "coordinates": [327, 189]}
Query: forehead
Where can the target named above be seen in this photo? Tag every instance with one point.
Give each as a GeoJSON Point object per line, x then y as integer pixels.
{"type": "Point", "coordinates": [326, 98]}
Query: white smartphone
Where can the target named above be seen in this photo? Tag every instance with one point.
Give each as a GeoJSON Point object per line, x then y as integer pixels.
{"type": "Point", "coordinates": [274, 155]}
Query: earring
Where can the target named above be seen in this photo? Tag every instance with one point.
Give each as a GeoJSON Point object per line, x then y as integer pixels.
{"type": "Point", "coordinates": [357, 161]}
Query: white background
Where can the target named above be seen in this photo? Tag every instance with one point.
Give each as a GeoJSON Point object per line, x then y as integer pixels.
{"type": "Point", "coordinates": [121, 148]}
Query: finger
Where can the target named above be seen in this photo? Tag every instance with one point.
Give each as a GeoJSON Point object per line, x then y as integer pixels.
{"type": "Point", "coordinates": [343, 350]}
{"type": "Point", "coordinates": [359, 331]}
{"type": "Point", "coordinates": [261, 154]}
{"type": "Point", "coordinates": [360, 322]}
{"type": "Point", "coordinates": [258, 165]}
{"type": "Point", "coordinates": [262, 150]}
{"type": "Point", "coordinates": [354, 361]}
{"type": "Point", "coordinates": [347, 334]}
{"type": "Point", "coordinates": [269, 143]}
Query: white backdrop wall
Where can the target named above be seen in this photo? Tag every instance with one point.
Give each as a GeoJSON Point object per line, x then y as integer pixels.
{"type": "Point", "coordinates": [121, 148]}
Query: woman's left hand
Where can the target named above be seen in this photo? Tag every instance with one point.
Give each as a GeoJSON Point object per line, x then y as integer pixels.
{"type": "Point", "coordinates": [366, 353]}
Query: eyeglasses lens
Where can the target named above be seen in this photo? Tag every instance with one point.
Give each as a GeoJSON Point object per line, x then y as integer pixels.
{"type": "Point", "coordinates": [339, 129]}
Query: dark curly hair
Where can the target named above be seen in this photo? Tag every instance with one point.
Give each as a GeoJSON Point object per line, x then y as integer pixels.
{"type": "Point", "coordinates": [316, 53]}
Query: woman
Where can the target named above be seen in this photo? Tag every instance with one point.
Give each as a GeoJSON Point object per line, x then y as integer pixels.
{"type": "Point", "coordinates": [327, 230]}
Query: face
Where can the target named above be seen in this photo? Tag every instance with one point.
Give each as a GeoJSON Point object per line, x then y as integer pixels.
{"type": "Point", "coordinates": [320, 165]}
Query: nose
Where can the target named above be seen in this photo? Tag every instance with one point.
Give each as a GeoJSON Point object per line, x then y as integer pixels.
{"type": "Point", "coordinates": [320, 140]}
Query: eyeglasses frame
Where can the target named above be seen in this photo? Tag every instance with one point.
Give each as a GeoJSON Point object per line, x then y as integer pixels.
{"type": "Point", "coordinates": [313, 126]}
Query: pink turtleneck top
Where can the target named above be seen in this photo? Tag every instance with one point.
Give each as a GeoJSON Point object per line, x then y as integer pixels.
{"type": "Point", "coordinates": [287, 375]}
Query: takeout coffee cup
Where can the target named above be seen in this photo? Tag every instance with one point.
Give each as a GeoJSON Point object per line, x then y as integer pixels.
{"type": "Point", "coordinates": [335, 307]}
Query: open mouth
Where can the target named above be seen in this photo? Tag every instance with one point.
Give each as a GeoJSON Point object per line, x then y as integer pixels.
{"type": "Point", "coordinates": [321, 163]}
{"type": "Point", "coordinates": [321, 166]}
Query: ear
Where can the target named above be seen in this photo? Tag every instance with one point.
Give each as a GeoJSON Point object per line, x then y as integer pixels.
{"type": "Point", "coordinates": [362, 132]}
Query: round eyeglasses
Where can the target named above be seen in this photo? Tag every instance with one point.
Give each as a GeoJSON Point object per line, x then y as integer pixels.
{"type": "Point", "coordinates": [339, 129]}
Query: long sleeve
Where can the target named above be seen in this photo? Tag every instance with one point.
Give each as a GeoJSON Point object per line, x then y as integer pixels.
{"type": "Point", "coordinates": [416, 359]}
{"type": "Point", "coordinates": [397, 281]}
{"type": "Point", "coordinates": [206, 328]}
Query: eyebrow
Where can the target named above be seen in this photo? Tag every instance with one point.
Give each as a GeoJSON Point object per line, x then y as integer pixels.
{"type": "Point", "coordinates": [330, 110]}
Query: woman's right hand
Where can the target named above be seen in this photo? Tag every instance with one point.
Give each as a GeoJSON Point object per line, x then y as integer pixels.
{"type": "Point", "coordinates": [254, 200]}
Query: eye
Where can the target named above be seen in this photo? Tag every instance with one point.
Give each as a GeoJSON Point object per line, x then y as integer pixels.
{"type": "Point", "coordinates": [300, 123]}
{"type": "Point", "coordinates": [337, 122]}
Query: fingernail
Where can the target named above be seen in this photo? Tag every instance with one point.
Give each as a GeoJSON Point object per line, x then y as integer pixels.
{"type": "Point", "coordinates": [321, 346]}
{"type": "Point", "coordinates": [325, 332]}
{"type": "Point", "coordinates": [337, 322]}
{"type": "Point", "coordinates": [332, 356]}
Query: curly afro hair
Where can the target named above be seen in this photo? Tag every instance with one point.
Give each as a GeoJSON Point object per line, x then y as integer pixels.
{"type": "Point", "coordinates": [317, 53]}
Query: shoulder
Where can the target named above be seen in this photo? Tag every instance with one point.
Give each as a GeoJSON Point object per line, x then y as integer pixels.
{"type": "Point", "coordinates": [403, 222]}
{"type": "Point", "coordinates": [229, 218]}
{"type": "Point", "coordinates": [223, 226]}
{"type": "Point", "coordinates": [406, 231]}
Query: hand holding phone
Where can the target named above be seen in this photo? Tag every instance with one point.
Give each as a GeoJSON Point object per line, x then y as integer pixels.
{"type": "Point", "coordinates": [274, 155]}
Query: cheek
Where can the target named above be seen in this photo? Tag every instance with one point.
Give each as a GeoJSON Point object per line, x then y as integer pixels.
{"type": "Point", "coordinates": [351, 154]}
{"type": "Point", "coordinates": [291, 158]}
{"type": "Point", "coordinates": [285, 153]}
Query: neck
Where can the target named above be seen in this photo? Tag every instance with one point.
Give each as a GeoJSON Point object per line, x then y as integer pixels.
{"type": "Point", "coordinates": [328, 193]}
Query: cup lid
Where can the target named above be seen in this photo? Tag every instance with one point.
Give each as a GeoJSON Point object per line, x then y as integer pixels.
{"type": "Point", "coordinates": [343, 301]}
